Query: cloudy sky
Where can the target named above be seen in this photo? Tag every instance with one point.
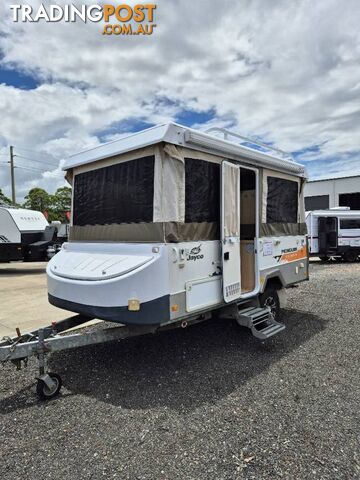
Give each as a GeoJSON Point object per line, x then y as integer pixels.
{"type": "Point", "coordinates": [286, 72]}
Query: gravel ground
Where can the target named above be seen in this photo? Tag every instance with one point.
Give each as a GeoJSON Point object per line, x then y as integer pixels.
{"type": "Point", "coordinates": [207, 402]}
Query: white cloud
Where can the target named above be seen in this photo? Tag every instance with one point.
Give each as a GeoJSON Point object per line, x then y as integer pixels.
{"type": "Point", "coordinates": [285, 71]}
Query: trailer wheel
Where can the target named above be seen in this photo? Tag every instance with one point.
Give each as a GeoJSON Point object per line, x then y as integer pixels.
{"type": "Point", "coordinates": [270, 298]}
{"type": "Point", "coordinates": [350, 256]}
{"type": "Point", "coordinates": [43, 391]}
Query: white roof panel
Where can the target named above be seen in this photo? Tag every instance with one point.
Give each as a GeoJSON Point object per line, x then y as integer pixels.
{"type": "Point", "coordinates": [150, 136]}
{"type": "Point", "coordinates": [186, 137]}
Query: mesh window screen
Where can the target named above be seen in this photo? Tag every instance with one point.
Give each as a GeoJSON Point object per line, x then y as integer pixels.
{"type": "Point", "coordinates": [282, 201]}
{"type": "Point", "coordinates": [202, 191]}
{"type": "Point", "coordinates": [121, 193]}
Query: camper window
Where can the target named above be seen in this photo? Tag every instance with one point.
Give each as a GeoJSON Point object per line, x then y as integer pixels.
{"type": "Point", "coordinates": [120, 193]}
{"type": "Point", "coordinates": [202, 191]}
{"type": "Point", "coordinates": [282, 200]}
{"type": "Point", "coordinates": [347, 224]}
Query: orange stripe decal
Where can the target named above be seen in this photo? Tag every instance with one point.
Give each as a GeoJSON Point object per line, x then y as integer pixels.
{"type": "Point", "coordinates": [292, 256]}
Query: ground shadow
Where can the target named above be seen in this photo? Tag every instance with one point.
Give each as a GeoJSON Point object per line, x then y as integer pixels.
{"type": "Point", "coordinates": [17, 272]}
{"type": "Point", "coordinates": [179, 369]}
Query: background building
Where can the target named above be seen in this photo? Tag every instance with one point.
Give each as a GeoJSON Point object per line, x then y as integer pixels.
{"type": "Point", "coordinates": [333, 192]}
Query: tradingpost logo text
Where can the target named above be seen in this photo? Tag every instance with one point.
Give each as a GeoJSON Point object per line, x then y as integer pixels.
{"type": "Point", "coordinates": [121, 19]}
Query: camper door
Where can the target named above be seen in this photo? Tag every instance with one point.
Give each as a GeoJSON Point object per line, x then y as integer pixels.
{"type": "Point", "coordinates": [230, 230]}
{"type": "Point", "coordinates": [328, 233]}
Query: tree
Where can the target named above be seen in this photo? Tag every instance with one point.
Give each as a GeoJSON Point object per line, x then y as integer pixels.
{"type": "Point", "coordinates": [61, 203]}
{"type": "Point", "coordinates": [62, 199]}
{"type": "Point", "coordinates": [38, 199]}
{"type": "Point", "coordinates": [4, 199]}
{"type": "Point", "coordinates": [55, 205]}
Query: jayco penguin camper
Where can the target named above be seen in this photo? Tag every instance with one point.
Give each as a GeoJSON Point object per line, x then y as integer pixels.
{"type": "Point", "coordinates": [171, 224]}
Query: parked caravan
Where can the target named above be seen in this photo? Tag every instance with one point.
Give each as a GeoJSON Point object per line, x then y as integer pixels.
{"type": "Point", "coordinates": [26, 235]}
{"type": "Point", "coordinates": [171, 224]}
{"type": "Point", "coordinates": [334, 233]}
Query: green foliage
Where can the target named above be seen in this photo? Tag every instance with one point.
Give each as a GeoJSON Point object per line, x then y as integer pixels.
{"type": "Point", "coordinates": [4, 199]}
{"type": "Point", "coordinates": [37, 199]}
{"type": "Point", "coordinates": [61, 200]}
{"type": "Point", "coordinates": [55, 205]}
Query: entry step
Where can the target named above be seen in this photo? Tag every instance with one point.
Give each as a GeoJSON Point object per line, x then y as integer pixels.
{"type": "Point", "coordinates": [260, 321]}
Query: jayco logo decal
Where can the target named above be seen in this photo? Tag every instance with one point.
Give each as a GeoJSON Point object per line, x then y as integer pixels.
{"type": "Point", "coordinates": [195, 254]}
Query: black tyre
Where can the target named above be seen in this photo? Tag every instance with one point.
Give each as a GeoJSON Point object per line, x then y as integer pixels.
{"type": "Point", "coordinates": [270, 298]}
{"type": "Point", "coordinates": [43, 391]}
{"type": "Point", "coordinates": [350, 256]}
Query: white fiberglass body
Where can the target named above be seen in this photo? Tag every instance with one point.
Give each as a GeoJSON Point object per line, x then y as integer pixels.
{"type": "Point", "coordinates": [106, 276]}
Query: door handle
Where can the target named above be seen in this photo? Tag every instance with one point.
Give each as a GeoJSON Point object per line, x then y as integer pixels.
{"type": "Point", "coordinates": [227, 256]}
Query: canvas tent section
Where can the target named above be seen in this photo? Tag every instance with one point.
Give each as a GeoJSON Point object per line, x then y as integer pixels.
{"type": "Point", "coordinates": [282, 210]}
{"type": "Point", "coordinates": [231, 207]}
{"type": "Point", "coordinates": [161, 193]}
{"type": "Point", "coordinates": [170, 193]}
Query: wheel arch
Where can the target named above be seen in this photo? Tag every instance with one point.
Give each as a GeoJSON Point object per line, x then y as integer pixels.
{"type": "Point", "coordinates": [273, 280]}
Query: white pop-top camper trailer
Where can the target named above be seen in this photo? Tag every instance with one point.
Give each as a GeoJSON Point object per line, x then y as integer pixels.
{"type": "Point", "coordinates": [170, 224]}
{"type": "Point", "coordinates": [334, 233]}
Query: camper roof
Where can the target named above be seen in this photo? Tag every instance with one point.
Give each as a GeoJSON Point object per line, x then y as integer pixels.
{"type": "Point", "coordinates": [335, 212]}
{"type": "Point", "coordinates": [187, 137]}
